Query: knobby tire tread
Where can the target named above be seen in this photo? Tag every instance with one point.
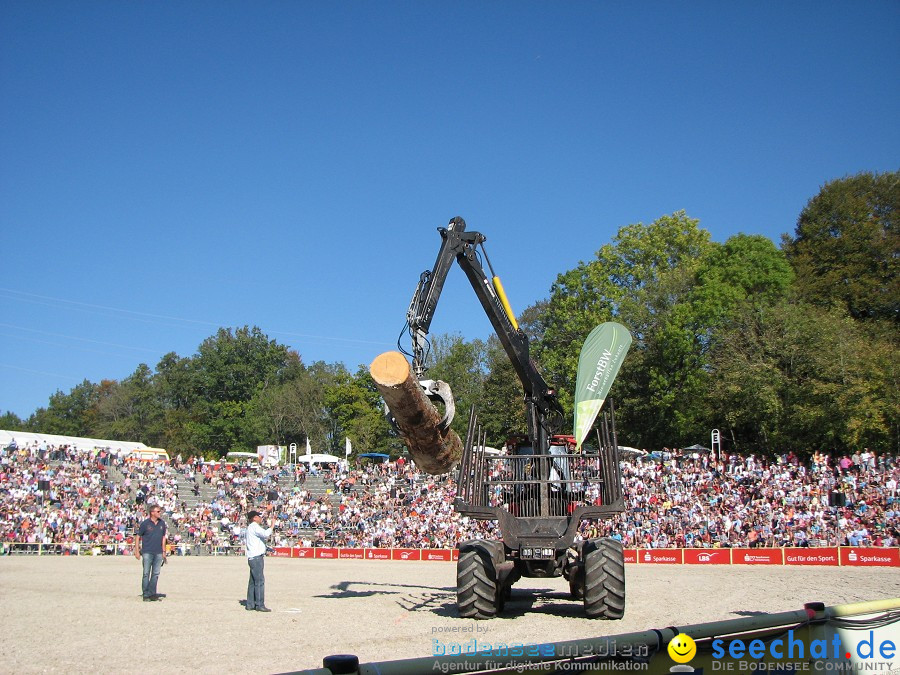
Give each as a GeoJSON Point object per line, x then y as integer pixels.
{"type": "Point", "coordinates": [604, 580]}
{"type": "Point", "coordinates": [476, 589]}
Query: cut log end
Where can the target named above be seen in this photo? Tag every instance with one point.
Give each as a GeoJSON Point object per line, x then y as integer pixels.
{"type": "Point", "coordinates": [434, 449]}
{"type": "Point", "coordinates": [390, 369]}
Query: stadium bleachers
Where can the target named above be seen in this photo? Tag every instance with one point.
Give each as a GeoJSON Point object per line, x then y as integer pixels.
{"type": "Point", "coordinates": [71, 496]}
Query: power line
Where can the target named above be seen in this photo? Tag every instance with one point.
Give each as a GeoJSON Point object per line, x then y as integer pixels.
{"type": "Point", "coordinates": [24, 296]}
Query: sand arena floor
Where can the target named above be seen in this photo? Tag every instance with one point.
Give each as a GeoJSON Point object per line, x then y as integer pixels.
{"type": "Point", "coordinates": [85, 614]}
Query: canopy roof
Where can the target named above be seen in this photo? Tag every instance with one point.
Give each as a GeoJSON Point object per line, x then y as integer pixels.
{"type": "Point", "coordinates": [28, 439]}
{"type": "Point", "coordinates": [318, 458]}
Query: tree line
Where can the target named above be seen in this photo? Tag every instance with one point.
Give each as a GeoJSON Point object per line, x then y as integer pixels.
{"type": "Point", "coordinates": [791, 347]}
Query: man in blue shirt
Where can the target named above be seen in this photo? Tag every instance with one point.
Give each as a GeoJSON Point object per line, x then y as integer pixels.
{"type": "Point", "coordinates": [255, 548]}
{"type": "Point", "coordinates": [150, 548]}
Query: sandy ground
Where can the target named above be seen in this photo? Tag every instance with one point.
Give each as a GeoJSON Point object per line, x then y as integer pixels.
{"type": "Point", "coordinates": [86, 615]}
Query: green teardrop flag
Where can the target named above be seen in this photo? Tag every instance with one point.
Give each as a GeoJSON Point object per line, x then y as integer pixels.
{"type": "Point", "coordinates": [601, 356]}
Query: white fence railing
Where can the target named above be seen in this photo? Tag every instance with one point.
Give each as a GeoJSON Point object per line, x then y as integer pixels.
{"type": "Point", "coordinates": [75, 548]}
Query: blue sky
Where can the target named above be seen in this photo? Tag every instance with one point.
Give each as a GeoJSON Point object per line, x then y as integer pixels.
{"type": "Point", "coordinates": [169, 168]}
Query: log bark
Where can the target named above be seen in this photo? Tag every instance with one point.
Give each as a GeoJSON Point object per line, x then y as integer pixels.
{"type": "Point", "coordinates": [434, 450]}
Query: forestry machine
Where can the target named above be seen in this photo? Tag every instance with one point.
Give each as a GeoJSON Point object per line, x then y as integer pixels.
{"type": "Point", "coordinates": [538, 488]}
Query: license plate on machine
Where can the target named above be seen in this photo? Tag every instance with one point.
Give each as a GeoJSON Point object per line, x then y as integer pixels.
{"type": "Point", "coordinates": [537, 553]}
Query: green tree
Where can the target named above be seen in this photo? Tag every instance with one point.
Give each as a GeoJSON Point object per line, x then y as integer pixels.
{"type": "Point", "coordinates": [798, 377]}
{"type": "Point", "coordinates": [845, 246]}
{"type": "Point", "coordinates": [502, 412]}
{"type": "Point", "coordinates": [233, 366]}
{"type": "Point", "coordinates": [229, 369]}
{"type": "Point", "coordinates": [461, 365]}
{"type": "Point", "coordinates": [72, 414]}
{"type": "Point", "coordinates": [745, 269]}
{"type": "Point", "coordinates": [130, 409]}
{"type": "Point", "coordinates": [296, 409]}
{"type": "Point", "coordinates": [175, 382]}
{"type": "Point", "coordinates": [643, 279]}
{"type": "Point", "coordinates": [355, 405]}
{"type": "Point", "coordinates": [11, 422]}
{"type": "Point", "coordinates": [502, 409]}
{"type": "Point", "coordinates": [176, 393]}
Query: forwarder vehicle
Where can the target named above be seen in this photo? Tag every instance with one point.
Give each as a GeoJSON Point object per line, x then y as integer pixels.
{"type": "Point", "coordinates": [539, 488]}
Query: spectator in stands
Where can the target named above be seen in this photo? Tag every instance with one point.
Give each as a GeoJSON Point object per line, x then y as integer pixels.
{"type": "Point", "coordinates": [675, 499]}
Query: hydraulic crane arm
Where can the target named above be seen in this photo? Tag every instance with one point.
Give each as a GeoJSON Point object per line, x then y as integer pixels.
{"type": "Point", "coordinates": [461, 245]}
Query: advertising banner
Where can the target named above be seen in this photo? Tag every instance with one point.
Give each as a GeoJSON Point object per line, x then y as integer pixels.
{"type": "Point", "coordinates": [757, 556]}
{"type": "Point", "coordinates": [662, 556]}
{"type": "Point", "coordinates": [811, 556]}
{"type": "Point", "coordinates": [357, 553]}
{"type": "Point", "coordinates": [707, 556]}
{"type": "Point", "coordinates": [857, 556]}
{"type": "Point", "coordinates": [831, 556]}
{"type": "Point", "coordinates": [405, 554]}
{"type": "Point", "coordinates": [378, 554]}
{"type": "Point", "coordinates": [598, 364]}
{"type": "Point", "coordinates": [326, 553]}
{"type": "Point", "coordinates": [270, 455]}
{"type": "Point", "coordinates": [442, 554]}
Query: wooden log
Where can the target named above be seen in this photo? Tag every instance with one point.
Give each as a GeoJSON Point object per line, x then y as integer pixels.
{"type": "Point", "coordinates": [434, 450]}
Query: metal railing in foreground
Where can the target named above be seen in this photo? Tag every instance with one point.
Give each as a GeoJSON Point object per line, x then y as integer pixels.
{"type": "Point", "coordinates": [859, 637]}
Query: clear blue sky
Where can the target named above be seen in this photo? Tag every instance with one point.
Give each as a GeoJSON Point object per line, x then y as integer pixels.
{"type": "Point", "coordinates": [167, 168]}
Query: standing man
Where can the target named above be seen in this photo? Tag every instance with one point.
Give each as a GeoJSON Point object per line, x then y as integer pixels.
{"type": "Point", "coordinates": [150, 548]}
{"type": "Point", "coordinates": [255, 547]}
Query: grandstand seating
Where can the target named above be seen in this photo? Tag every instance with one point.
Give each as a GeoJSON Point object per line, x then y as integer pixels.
{"type": "Point", "coordinates": [676, 500]}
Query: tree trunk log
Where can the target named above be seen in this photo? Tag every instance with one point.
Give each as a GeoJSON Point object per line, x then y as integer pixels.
{"type": "Point", "coordinates": [433, 450]}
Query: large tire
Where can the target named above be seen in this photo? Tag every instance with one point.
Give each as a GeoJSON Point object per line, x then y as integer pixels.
{"type": "Point", "coordinates": [576, 586]}
{"type": "Point", "coordinates": [476, 585]}
{"type": "Point", "coordinates": [604, 579]}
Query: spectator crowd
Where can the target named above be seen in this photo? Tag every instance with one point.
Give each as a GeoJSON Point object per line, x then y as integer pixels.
{"type": "Point", "coordinates": [71, 499]}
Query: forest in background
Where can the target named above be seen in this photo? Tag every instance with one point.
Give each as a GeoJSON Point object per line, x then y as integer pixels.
{"type": "Point", "coordinates": [788, 347]}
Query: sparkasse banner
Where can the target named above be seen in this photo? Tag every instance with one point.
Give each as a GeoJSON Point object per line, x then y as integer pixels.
{"type": "Point", "coordinates": [662, 556]}
{"type": "Point", "coordinates": [856, 555]}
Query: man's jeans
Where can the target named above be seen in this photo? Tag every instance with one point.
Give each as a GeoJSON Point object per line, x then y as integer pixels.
{"type": "Point", "coordinates": [152, 562]}
{"type": "Point", "coordinates": [256, 587]}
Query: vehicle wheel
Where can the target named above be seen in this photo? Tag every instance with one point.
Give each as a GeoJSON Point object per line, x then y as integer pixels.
{"type": "Point", "coordinates": [604, 579]}
{"type": "Point", "coordinates": [476, 585]}
{"type": "Point", "coordinates": [576, 585]}
{"type": "Point", "coordinates": [503, 595]}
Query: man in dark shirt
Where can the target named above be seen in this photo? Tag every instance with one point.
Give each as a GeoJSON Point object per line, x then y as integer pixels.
{"type": "Point", "coordinates": [150, 549]}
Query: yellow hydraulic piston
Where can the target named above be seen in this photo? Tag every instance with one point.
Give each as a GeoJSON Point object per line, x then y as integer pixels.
{"type": "Point", "coordinates": [498, 287]}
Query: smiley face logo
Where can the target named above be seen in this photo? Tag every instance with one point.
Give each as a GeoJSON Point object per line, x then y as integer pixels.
{"type": "Point", "coordinates": [682, 648]}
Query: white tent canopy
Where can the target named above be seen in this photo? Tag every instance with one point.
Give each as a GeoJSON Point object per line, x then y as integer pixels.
{"type": "Point", "coordinates": [25, 439]}
{"type": "Point", "coordinates": [627, 451]}
{"type": "Point", "coordinates": [318, 458]}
